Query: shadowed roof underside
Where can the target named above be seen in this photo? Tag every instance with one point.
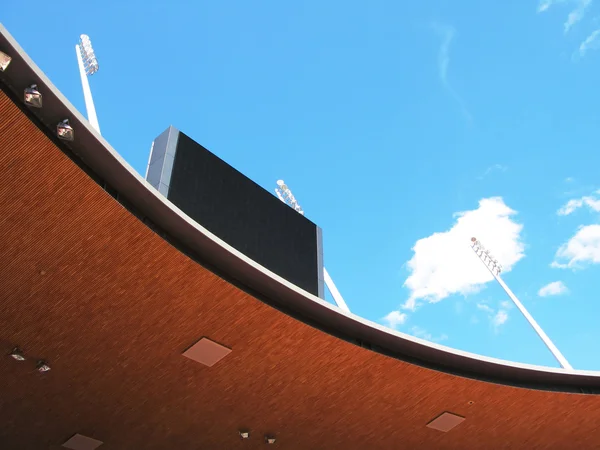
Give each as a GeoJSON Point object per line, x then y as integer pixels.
{"type": "Point", "coordinates": [112, 306]}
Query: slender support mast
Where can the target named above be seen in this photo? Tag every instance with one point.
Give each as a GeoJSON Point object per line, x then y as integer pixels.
{"type": "Point", "coordinates": [285, 195]}
{"type": "Point", "coordinates": [495, 269]}
{"type": "Point", "coordinates": [337, 297]}
{"type": "Point", "coordinates": [88, 65]}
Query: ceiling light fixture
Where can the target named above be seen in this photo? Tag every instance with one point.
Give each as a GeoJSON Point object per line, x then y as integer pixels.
{"type": "Point", "coordinates": [42, 366]}
{"type": "Point", "coordinates": [33, 97]}
{"type": "Point", "coordinates": [269, 439]}
{"type": "Point", "coordinates": [17, 354]}
{"type": "Point", "coordinates": [244, 434]}
{"type": "Point", "coordinates": [64, 131]}
{"type": "Point", "coordinates": [4, 61]}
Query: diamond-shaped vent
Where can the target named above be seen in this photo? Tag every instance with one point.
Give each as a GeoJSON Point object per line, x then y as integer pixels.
{"type": "Point", "coordinates": [207, 352]}
{"type": "Point", "coordinates": [445, 422]}
{"type": "Point", "coordinates": [81, 442]}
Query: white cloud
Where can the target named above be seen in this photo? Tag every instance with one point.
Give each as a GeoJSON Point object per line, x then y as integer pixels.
{"type": "Point", "coordinates": [490, 169]}
{"type": "Point", "coordinates": [394, 319]}
{"type": "Point", "coordinates": [500, 318]}
{"type": "Point", "coordinates": [570, 206]}
{"type": "Point", "coordinates": [577, 14]}
{"type": "Point", "coordinates": [545, 4]}
{"type": "Point", "coordinates": [580, 250]}
{"type": "Point", "coordinates": [447, 33]}
{"type": "Point", "coordinates": [554, 288]}
{"type": "Point", "coordinates": [444, 264]}
{"type": "Point", "coordinates": [591, 42]}
{"type": "Point", "coordinates": [506, 304]}
{"type": "Point", "coordinates": [591, 201]}
{"type": "Point", "coordinates": [497, 317]}
{"type": "Point", "coordinates": [485, 308]}
{"type": "Point", "coordinates": [423, 334]}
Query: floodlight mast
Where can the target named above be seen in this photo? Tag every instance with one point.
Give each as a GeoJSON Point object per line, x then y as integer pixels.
{"type": "Point", "coordinates": [495, 269]}
{"type": "Point", "coordinates": [333, 290]}
{"type": "Point", "coordinates": [88, 66]}
{"type": "Point", "coordinates": [285, 195]}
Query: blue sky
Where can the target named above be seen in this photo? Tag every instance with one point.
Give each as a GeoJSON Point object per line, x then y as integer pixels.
{"type": "Point", "coordinates": [386, 120]}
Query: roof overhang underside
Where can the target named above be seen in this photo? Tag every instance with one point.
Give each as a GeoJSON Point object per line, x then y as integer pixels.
{"type": "Point", "coordinates": [112, 303]}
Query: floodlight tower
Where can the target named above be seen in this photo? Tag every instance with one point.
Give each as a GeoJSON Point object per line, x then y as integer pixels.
{"type": "Point", "coordinates": [88, 66]}
{"type": "Point", "coordinates": [285, 195]}
{"type": "Point", "coordinates": [495, 268]}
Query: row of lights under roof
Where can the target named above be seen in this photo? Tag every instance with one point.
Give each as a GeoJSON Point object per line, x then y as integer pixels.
{"type": "Point", "coordinates": [245, 434]}
{"type": "Point", "coordinates": [41, 366]}
{"type": "Point", "coordinates": [33, 97]}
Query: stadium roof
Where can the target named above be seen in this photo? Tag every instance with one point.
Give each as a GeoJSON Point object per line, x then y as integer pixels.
{"type": "Point", "coordinates": [110, 284]}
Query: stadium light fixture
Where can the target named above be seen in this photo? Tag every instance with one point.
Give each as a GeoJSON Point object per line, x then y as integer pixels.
{"type": "Point", "coordinates": [88, 56]}
{"type": "Point", "coordinates": [33, 97]}
{"type": "Point", "coordinates": [285, 195]}
{"type": "Point", "coordinates": [4, 61]}
{"type": "Point", "coordinates": [42, 366]}
{"type": "Point", "coordinates": [495, 269]}
{"type": "Point", "coordinates": [17, 354]}
{"type": "Point", "coordinates": [88, 66]}
{"type": "Point", "coordinates": [64, 131]}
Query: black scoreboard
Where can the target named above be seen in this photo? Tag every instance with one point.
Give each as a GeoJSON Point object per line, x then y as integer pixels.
{"type": "Point", "coordinates": [237, 210]}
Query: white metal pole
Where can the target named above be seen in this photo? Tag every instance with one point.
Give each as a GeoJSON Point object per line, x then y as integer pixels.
{"type": "Point", "coordinates": [543, 336]}
{"type": "Point", "coordinates": [87, 92]}
{"type": "Point", "coordinates": [285, 195]}
{"type": "Point", "coordinates": [337, 297]}
{"type": "Point", "coordinates": [557, 354]}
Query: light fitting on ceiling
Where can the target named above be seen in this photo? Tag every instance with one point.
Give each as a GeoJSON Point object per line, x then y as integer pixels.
{"type": "Point", "coordinates": [244, 434]}
{"type": "Point", "coordinates": [42, 366]}
{"type": "Point", "coordinates": [17, 354]}
{"type": "Point", "coordinates": [33, 97]}
{"type": "Point", "coordinates": [269, 439]}
{"type": "Point", "coordinates": [4, 61]}
{"type": "Point", "coordinates": [64, 131]}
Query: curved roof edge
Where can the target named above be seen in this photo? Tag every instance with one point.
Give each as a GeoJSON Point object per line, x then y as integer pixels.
{"type": "Point", "coordinates": [103, 161]}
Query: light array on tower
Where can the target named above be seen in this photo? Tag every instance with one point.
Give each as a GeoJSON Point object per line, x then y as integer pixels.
{"type": "Point", "coordinates": [487, 258]}
{"type": "Point", "coordinates": [90, 62]}
{"type": "Point", "coordinates": [285, 195]}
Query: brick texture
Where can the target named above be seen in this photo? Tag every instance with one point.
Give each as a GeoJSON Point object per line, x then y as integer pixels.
{"type": "Point", "coordinates": [112, 307]}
